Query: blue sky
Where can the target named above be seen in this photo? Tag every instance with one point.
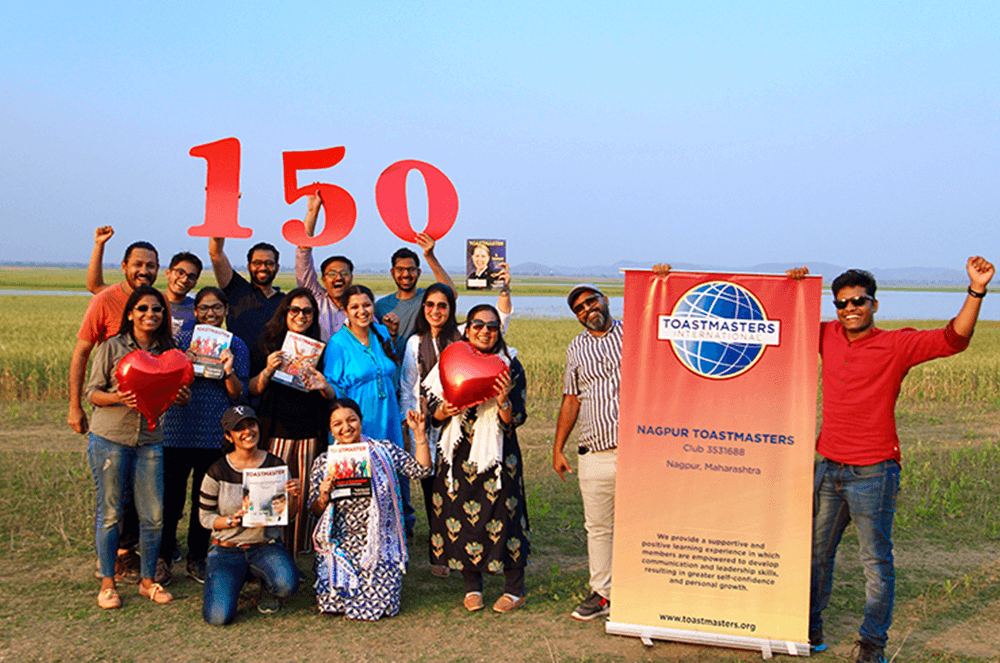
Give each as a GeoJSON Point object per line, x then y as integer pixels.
{"type": "Point", "coordinates": [716, 133]}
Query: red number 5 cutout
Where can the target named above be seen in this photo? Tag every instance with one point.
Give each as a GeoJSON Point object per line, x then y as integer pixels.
{"type": "Point", "coordinates": [390, 197]}
{"type": "Point", "coordinates": [340, 210]}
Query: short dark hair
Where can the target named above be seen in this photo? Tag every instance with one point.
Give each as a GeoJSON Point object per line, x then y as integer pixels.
{"type": "Point", "coordinates": [855, 277]}
{"type": "Point", "coordinates": [262, 246]}
{"type": "Point", "coordinates": [140, 245]}
{"type": "Point", "coordinates": [343, 259]}
{"type": "Point", "coordinates": [185, 256]}
{"type": "Point", "coordinates": [403, 254]}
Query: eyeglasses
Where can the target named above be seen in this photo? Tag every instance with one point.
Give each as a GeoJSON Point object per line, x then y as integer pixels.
{"type": "Point", "coordinates": [142, 308]}
{"type": "Point", "coordinates": [588, 303]}
{"type": "Point", "coordinates": [491, 326]}
{"type": "Point", "coordinates": [441, 306]}
{"type": "Point", "coordinates": [257, 264]}
{"type": "Point", "coordinates": [857, 301]}
{"type": "Point", "coordinates": [295, 310]}
{"type": "Point", "coordinates": [406, 270]}
{"type": "Point", "coordinates": [187, 276]}
{"type": "Point", "coordinates": [344, 274]}
{"type": "Point", "coordinates": [205, 308]}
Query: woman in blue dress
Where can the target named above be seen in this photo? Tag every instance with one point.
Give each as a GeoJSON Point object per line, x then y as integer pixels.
{"type": "Point", "coordinates": [360, 365]}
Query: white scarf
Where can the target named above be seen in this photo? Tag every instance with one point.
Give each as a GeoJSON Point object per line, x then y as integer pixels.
{"type": "Point", "coordinates": [487, 435]}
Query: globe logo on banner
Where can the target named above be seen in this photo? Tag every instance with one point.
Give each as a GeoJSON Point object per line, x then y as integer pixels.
{"type": "Point", "coordinates": [718, 330]}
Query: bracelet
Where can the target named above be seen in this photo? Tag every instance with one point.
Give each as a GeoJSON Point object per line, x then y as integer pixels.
{"type": "Point", "coordinates": [504, 407]}
{"type": "Point", "coordinates": [977, 295]}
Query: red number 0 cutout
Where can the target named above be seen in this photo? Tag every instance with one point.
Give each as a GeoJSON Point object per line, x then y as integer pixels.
{"type": "Point", "coordinates": [390, 197]}
{"type": "Point", "coordinates": [341, 212]}
{"type": "Point", "coordinates": [222, 190]}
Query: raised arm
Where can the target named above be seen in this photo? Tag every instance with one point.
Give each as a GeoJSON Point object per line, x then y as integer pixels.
{"type": "Point", "coordinates": [426, 242]}
{"type": "Point", "coordinates": [980, 272]}
{"type": "Point", "coordinates": [220, 262]}
{"type": "Point", "coordinates": [95, 268]}
{"type": "Point", "coordinates": [503, 299]}
{"type": "Point", "coordinates": [305, 268]}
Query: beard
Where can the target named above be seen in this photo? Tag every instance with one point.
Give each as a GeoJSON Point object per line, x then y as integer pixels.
{"type": "Point", "coordinates": [598, 320]}
{"type": "Point", "coordinates": [262, 282]}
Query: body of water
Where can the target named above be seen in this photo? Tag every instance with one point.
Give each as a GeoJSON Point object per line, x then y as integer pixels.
{"type": "Point", "coordinates": [893, 304]}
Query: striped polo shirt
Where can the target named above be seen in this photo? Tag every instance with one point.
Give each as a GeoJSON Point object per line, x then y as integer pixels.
{"type": "Point", "coordinates": [593, 374]}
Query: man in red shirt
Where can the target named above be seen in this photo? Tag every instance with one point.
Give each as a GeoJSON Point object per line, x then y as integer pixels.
{"type": "Point", "coordinates": [857, 475]}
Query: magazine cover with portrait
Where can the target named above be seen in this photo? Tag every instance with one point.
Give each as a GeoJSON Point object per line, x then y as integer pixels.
{"type": "Point", "coordinates": [483, 258]}
{"type": "Point", "coordinates": [265, 503]}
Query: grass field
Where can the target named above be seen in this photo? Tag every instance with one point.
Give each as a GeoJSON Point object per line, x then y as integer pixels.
{"type": "Point", "coordinates": [947, 529]}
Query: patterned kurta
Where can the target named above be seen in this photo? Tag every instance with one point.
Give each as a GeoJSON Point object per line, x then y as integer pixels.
{"type": "Point", "coordinates": [483, 525]}
{"type": "Point", "coordinates": [378, 593]}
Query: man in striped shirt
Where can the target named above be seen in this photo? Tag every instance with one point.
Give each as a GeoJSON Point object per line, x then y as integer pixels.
{"type": "Point", "coordinates": [590, 392]}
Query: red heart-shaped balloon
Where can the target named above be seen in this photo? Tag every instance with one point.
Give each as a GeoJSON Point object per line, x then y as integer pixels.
{"type": "Point", "coordinates": [467, 375]}
{"type": "Point", "coordinates": [154, 379]}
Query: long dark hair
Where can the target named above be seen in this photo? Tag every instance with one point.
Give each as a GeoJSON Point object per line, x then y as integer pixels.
{"type": "Point", "coordinates": [500, 344]}
{"type": "Point", "coordinates": [161, 336]}
{"type": "Point", "coordinates": [386, 342]}
{"type": "Point", "coordinates": [450, 328]}
{"type": "Point", "coordinates": [274, 331]}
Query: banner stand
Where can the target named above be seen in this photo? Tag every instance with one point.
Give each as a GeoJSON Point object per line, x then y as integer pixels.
{"type": "Point", "coordinates": [766, 646]}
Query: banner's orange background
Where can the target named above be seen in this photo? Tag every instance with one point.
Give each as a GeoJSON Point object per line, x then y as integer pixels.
{"type": "Point", "coordinates": [663, 513]}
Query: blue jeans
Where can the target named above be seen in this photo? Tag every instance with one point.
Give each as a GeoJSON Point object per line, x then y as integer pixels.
{"type": "Point", "coordinates": [866, 495]}
{"type": "Point", "coordinates": [116, 469]}
{"type": "Point", "coordinates": [226, 568]}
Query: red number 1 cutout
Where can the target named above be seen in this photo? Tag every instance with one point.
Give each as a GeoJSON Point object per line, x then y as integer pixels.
{"type": "Point", "coordinates": [341, 212]}
{"type": "Point", "coordinates": [222, 192]}
{"type": "Point", "coordinates": [390, 197]}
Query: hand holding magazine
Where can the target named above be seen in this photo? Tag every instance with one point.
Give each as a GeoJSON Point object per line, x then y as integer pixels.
{"type": "Point", "coordinates": [301, 354]}
{"type": "Point", "coordinates": [208, 351]}
{"type": "Point", "coordinates": [266, 497]}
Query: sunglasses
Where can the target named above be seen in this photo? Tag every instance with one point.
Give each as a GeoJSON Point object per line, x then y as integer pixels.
{"type": "Point", "coordinates": [441, 306]}
{"type": "Point", "coordinates": [477, 325]}
{"type": "Point", "coordinates": [857, 301]}
{"type": "Point", "coordinates": [142, 308]}
{"type": "Point", "coordinates": [587, 303]}
{"type": "Point", "coordinates": [295, 310]}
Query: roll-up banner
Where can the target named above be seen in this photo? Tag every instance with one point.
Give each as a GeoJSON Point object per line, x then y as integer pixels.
{"type": "Point", "coordinates": [717, 421]}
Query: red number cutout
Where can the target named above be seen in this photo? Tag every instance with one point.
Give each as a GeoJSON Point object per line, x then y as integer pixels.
{"type": "Point", "coordinates": [341, 212]}
{"type": "Point", "coordinates": [222, 191]}
{"type": "Point", "coordinates": [390, 197]}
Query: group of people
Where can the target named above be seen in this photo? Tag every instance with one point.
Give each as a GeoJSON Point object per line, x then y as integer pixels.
{"type": "Point", "coordinates": [217, 428]}
{"type": "Point", "coordinates": [379, 370]}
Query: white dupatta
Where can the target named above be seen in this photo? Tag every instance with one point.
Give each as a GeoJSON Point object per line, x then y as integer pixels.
{"type": "Point", "coordinates": [486, 452]}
